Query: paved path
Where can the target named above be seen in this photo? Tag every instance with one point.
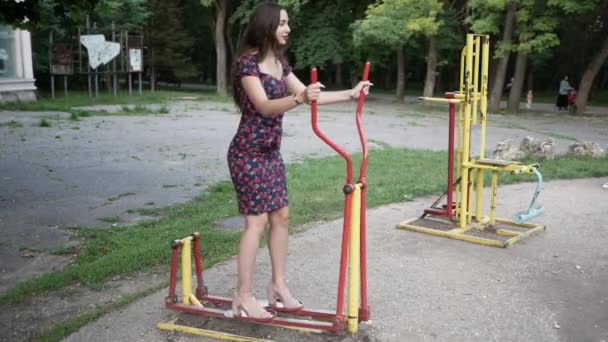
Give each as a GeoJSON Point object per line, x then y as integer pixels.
{"type": "Point", "coordinates": [76, 173]}
{"type": "Point", "coordinates": [549, 287]}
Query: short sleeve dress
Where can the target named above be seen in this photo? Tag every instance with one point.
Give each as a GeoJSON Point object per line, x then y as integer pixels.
{"type": "Point", "coordinates": [254, 157]}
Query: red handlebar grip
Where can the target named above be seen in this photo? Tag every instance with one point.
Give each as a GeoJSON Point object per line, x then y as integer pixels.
{"type": "Point", "coordinates": [366, 70]}
{"type": "Point", "coordinates": [313, 75]}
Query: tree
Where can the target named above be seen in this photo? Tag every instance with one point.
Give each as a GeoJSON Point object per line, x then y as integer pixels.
{"type": "Point", "coordinates": [169, 44]}
{"type": "Point", "coordinates": [219, 22]}
{"type": "Point", "coordinates": [32, 14]}
{"type": "Point", "coordinates": [448, 39]}
{"type": "Point", "coordinates": [596, 14]}
{"type": "Point", "coordinates": [242, 14]}
{"type": "Point", "coordinates": [535, 33]}
{"type": "Point", "coordinates": [486, 19]}
{"type": "Point", "coordinates": [392, 23]}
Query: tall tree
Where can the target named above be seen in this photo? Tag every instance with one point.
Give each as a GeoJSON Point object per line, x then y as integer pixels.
{"type": "Point", "coordinates": [447, 40]}
{"type": "Point", "coordinates": [34, 14]}
{"type": "Point", "coordinates": [168, 42]}
{"type": "Point", "coordinates": [535, 34]}
{"type": "Point", "coordinates": [596, 14]}
{"type": "Point", "coordinates": [322, 36]}
{"type": "Point", "coordinates": [485, 18]}
{"type": "Point", "coordinates": [219, 22]}
{"type": "Point", "coordinates": [392, 23]}
{"type": "Point", "coordinates": [222, 16]}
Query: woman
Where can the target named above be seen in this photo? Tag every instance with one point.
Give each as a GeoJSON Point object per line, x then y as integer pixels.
{"type": "Point", "coordinates": [264, 89]}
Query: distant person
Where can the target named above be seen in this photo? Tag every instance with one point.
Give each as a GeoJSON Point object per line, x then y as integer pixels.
{"type": "Point", "coordinates": [529, 99]}
{"type": "Point", "coordinates": [572, 101]}
{"type": "Point", "coordinates": [508, 86]}
{"type": "Point", "coordinates": [562, 96]}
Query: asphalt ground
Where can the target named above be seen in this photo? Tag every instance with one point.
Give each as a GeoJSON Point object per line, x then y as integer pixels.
{"type": "Point", "coordinates": [78, 173]}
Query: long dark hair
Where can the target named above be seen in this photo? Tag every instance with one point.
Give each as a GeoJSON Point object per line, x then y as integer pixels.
{"type": "Point", "coordinates": [261, 37]}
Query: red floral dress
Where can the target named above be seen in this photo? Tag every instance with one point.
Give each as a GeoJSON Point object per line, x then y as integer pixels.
{"type": "Point", "coordinates": [254, 157]}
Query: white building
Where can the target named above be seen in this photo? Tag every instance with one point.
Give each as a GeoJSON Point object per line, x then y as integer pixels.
{"type": "Point", "coordinates": [16, 71]}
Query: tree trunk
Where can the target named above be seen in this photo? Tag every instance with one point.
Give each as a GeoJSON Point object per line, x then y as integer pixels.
{"type": "Point", "coordinates": [220, 48]}
{"type": "Point", "coordinates": [339, 75]}
{"type": "Point", "coordinates": [518, 82]}
{"type": "Point", "coordinates": [530, 79]}
{"type": "Point", "coordinates": [388, 79]}
{"type": "Point", "coordinates": [584, 88]}
{"type": "Point", "coordinates": [431, 68]}
{"type": "Point", "coordinates": [400, 73]}
{"type": "Point", "coordinates": [230, 42]}
{"type": "Point", "coordinates": [501, 69]}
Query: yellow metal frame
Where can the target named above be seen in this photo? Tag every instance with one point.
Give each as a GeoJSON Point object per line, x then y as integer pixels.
{"type": "Point", "coordinates": [354, 272]}
{"type": "Point", "coordinates": [171, 326]}
{"type": "Point", "coordinates": [472, 100]}
{"type": "Point", "coordinates": [354, 262]}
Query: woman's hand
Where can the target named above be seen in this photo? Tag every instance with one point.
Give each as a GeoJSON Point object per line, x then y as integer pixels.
{"type": "Point", "coordinates": [361, 86]}
{"type": "Point", "coordinates": [312, 92]}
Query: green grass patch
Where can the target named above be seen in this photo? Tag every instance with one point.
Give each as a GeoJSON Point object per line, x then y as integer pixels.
{"type": "Point", "coordinates": [60, 331]}
{"type": "Point", "coordinates": [109, 219]}
{"type": "Point", "coordinates": [65, 250]}
{"type": "Point", "coordinates": [81, 98]}
{"type": "Point", "coordinates": [597, 98]}
{"type": "Point", "coordinates": [116, 198]}
{"type": "Point", "coordinates": [11, 124]}
{"type": "Point", "coordinates": [44, 123]}
{"type": "Point", "coordinates": [315, 188]}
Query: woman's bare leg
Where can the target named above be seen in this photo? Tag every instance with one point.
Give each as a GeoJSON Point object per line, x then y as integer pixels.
{"type": "Point", "coordinates": [250, 242]}
{"type": "Point", "coordinates": [277, 245]}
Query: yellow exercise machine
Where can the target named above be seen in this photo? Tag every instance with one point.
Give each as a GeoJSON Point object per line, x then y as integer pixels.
{"type": "Point", "coordinates": [462, 216]}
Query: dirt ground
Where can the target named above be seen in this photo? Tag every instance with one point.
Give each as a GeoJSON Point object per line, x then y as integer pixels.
{"type": "Point", "coordinates": [422, 288]}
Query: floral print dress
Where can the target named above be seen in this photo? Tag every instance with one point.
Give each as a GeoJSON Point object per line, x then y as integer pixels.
{"type": "Point", "coordinates": [254, 157]}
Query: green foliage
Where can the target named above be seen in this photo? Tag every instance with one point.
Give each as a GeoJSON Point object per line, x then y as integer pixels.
{"type": "Point", "coordinates": [576, 6]}
{"type": "Point", "coordinates": [487, 16]}
{"type": "Point", "coordinates": [34, 14]}
{"type": "Point", "coordinates": [536, 26]}
{"type": "Point", "coordinates": [322, 35]}
{"type": "Point", "coordinates": [170, 45]}
{"type": "Point", "coordinates": [392, 23]}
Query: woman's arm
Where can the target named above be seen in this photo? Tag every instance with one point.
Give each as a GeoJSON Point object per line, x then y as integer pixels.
{"type": "Point", "coordinates": [327, 97]}
{"type": "Point", "coordinates": [313, 91]}
{"type": "Point", "coordinates": [256, 94]}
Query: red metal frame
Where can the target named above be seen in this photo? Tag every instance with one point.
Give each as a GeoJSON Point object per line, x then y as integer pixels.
{"type": "Point", "coordinates": [364, 309]}
{"type": "Point", "coordinates": [448, 210]}
{"type": "Point", "coordinates": [326, 319]}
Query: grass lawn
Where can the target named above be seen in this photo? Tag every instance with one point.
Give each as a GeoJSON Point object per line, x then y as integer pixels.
{"type": "Point", "coordinates": [394, 175]}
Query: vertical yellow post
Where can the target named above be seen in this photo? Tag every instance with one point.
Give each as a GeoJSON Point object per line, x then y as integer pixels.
{"type": "Point", "coordinates": [462, 90]}
{"type": "Point", "coordinates": [476, 91]}
{"type": "Point", "coordinates": [493, 198]}
{"type": "Point", "coordinates": [186, 270]}
{"type": "Point", "coordinates": [485, 53]}
{"type": "Point", "coordinates": [354, 266]}
{"type": "Point", "coordinates": [482, 56]}
{"type": "Point", "coordinates": [475, 79]}
{"type": "Point", "coordinates": [483, 109]}
{"type": "Point", "coordinates": [464, 208]}
{"type": "Point", "coordinates": [472, 178]}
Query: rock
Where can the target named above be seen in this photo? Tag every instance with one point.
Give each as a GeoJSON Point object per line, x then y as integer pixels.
{"type": "Point", "coordinates": [546, 150]}
{"type": "Point", "coordinates": [529, 144]}
{"type": "Point", "coordinates": [587, 148]}
{"type": "Point", "coordinates": [506, 151]}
